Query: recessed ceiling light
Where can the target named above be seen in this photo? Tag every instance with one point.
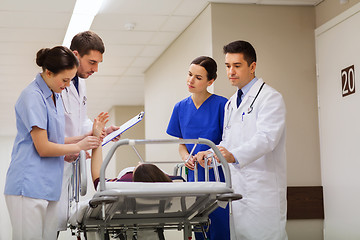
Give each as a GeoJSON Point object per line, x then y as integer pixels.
{"type": "Point", "coordinates": [82, 18]}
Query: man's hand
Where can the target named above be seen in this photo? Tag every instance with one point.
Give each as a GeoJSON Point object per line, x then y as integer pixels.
{"type": "Point", "coordinates": [112, 129]}
{"type": "Point", "coordinates": [226, 154]}
{"type": "Point", "coordinates": [200, 157]}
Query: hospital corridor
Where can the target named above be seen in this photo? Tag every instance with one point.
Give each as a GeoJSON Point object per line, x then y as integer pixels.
{"type": "Point", "coordinates": [179, 119]}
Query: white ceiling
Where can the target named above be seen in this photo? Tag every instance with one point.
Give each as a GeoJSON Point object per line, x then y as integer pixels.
{"type": "Point", "coordinates": [27, 26]}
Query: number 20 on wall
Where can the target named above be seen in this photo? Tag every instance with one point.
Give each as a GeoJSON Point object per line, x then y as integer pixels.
{"type": "Point", "coordinates": [348, 80]}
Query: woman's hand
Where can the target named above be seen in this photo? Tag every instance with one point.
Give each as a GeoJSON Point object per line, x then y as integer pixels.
{"type": "Point", "coordinates": [189, 162]}
{"type": "Point", "coordinates": [72, 157]}
{"type": "Point", "coordinates": [90, 142]}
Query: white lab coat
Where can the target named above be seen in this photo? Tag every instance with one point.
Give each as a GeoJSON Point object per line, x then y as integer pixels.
{"type": "Point", "coordinates": [76, 123]}
{"type": "Point", "coordinates": [257, 141]}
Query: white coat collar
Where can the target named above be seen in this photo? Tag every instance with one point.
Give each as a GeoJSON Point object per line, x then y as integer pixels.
{"type": "Point", "coordinates": [79, 96]}
{"type": "Point", "coordinates": [253, 91]}
{"type": "Point", "coordinates": [251, 94]}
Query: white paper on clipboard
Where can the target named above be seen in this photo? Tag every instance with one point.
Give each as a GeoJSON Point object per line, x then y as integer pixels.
{"type": "Point", "coordinates": [123, 128]}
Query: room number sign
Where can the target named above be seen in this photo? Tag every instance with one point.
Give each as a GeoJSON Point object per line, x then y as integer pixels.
{"type": "Point", "coordinates": [348, 80]}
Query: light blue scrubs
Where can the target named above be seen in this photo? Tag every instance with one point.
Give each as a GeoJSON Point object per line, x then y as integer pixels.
{"type": "Point", "coordinates": [187, 122]}
{"type": "Point", "coordinates": [29, 174]}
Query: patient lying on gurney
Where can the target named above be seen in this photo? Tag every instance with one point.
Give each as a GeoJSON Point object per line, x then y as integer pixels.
{"type": "Point", "coordinates": [158, 202]}
{"type": "Point", "coordinates": [142, 173]}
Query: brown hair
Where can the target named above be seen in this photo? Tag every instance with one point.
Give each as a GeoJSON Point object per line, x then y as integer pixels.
{"type": "Point", "coordinates": [56, 59]}
{"type": "Point", "coordinates": [84, 42]}
{"type": "Point", "coordinates": [147, 172]}
{"type": "Point", "coordinates": [209, 64]}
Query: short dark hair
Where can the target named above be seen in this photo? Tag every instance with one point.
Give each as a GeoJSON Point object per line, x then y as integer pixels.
{"type": "Point", "coordinates": [148, 172]}
{"type": "Point", "coordinates": [242, 47]}
{"type": "Point", "coordinates": [56, 59]}
{"type": "Point", "coordinates": [84, 42]}
{"type": "Point", "coordinates": [209, 64]}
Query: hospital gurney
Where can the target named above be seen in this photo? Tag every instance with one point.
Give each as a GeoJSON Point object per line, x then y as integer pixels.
{"type": "Point", "coordinates": [118, 207]}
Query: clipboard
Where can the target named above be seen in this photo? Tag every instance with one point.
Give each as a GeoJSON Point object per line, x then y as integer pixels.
{"type": "Point", "coordinates": [123, 128]}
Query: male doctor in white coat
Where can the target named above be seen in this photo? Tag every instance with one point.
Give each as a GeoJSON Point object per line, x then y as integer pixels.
{"type": "Point", "coordinates": [88, 47]}
{"type": "Point", "coordinates": [253, 143]}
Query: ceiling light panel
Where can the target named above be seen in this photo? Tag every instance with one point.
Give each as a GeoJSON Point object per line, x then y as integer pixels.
{"type": "Point", "coordinates": [82, 18]}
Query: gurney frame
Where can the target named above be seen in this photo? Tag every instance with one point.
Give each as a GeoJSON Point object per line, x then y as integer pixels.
{"type": "Point", "coordinates": [141, 206]}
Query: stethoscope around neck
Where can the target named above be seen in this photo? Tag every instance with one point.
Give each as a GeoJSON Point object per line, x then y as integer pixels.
{"type": "Point", "coordinates": [250, 109]}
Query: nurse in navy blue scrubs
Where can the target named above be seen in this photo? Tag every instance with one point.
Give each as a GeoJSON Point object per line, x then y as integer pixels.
{"type": "Point", "coordinates": [201, 115]}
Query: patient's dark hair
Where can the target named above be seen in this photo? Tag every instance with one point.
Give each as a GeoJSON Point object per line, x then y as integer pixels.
{"type": "Point", "coordinates": [147, 172]}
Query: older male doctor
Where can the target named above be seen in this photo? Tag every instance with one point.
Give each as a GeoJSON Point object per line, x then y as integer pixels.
{"type": "Point", "coordinates": [254, 145]}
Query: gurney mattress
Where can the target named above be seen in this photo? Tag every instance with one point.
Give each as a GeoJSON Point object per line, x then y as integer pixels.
{"type": "Point", "coordinates": [129, 203]}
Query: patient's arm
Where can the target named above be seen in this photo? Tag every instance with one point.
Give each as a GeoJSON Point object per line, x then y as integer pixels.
{"type": "Point", "coordinates": [96, 161]}
{"type": "Point", "coordinates": [96, 157]}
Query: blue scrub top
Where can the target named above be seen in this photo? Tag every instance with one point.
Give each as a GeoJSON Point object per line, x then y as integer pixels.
{"type": "Point", "coordinates": [188, 122]}
{"type": "Point", "coordinates": [29, 174]}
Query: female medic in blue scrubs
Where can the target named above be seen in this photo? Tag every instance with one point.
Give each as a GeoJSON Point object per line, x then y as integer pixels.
{"type": "Point", "coordinates": [201, 115]}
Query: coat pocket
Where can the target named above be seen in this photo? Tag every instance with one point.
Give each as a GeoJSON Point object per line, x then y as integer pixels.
{"type": "Point", "coordinates": [262, 190]}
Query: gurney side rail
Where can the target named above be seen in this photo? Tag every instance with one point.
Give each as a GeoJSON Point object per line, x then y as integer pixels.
{"type": "Point", "coordinates": [133, 142]}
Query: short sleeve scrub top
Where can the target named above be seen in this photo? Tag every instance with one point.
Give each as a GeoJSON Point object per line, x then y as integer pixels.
{"type": "Point", "coordinates": [188, 122]}
{"type": "Point", "coordinates": [29, 174]}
